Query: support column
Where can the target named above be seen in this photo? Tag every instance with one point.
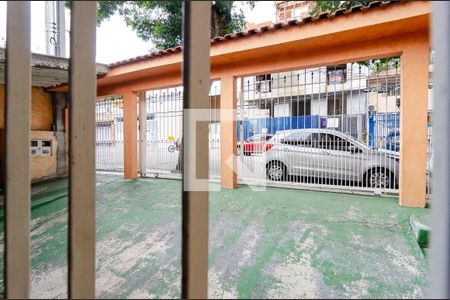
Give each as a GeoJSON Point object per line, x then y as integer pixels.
{"type": "Point", "coordinates": [195, 156]}
{"type": "Point", "coordinates": [440, 210]}
{"type": "Point", "coordinates": [17, 267]}
{"type": "Point", "coordinates": [228, 133]}
{"type": "Point", "coordinates": [413, 122]}
{"type": "Point", "coordinates": [130, 137]}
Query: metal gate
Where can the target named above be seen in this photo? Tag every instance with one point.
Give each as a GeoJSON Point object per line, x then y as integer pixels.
{"type": "Point", "coordinates": [164, 131]}
{"type": "Point", "coordinates": [109, 134]}
{"type": "Point", "coordinates": [331, 127]}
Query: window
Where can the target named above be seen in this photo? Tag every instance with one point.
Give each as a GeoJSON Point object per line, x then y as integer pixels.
{"type": "Point", "coordinates": [393, 89]}
{"type": "Point", "coordinates": [330, 142]}
{"type": "Point", "coordinates": [301, 107]}
{"type": "Point", "coordinates": [301, 11]}
{"type": "Point", "coordinates": [298, 139]}
{"type": "Point", "coordinates": [337, 104]}
{"type": "Point", "coordinates": [264, 83]}
{"type": "Point", "coordinates": [254, 138]}
{"type": "Point", "coordinates": [337, 74]}
{"type": "Point", "coordinates": [266, 137]}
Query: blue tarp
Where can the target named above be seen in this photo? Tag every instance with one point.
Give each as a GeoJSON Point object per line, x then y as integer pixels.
{"type": "Point", "coordinates": [272, 125]}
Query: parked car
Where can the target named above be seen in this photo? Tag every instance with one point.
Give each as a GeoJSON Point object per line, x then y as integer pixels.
{"type": "Point", "coordinates": [255, 144]}
{"type": "Point", "coordinates": [393, 140]}
{"type": "Point", "coordinates": [329, 154]}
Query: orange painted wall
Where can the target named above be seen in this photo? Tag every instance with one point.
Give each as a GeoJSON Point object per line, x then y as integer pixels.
{"type": "Point", "coordinates": [41, 109]}
{"type": "Point", "coordinates": [41, 124]}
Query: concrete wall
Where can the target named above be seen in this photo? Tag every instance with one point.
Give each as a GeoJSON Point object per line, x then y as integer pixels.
{"type": "Point", "coordinates": [356, 103]}
{"type": "Point", "coordinates": [44, 167]}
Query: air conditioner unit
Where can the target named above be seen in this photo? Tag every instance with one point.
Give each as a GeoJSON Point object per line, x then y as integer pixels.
{"type": "Point", "coordinates": [372, 108]}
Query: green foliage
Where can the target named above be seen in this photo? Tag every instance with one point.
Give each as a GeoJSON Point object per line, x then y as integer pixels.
{"type": "Point", "coordinates": [161, 21]}
{"type": "Point", "coordinates": [382, 64]}
{"type": "Point", "coordinates": [331, 6]}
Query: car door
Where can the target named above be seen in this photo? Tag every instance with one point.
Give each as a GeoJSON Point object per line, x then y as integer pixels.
{"type": "Point", "coordinates": [300, 158]}
{"type": "Point", "coordinates": [338, 160]}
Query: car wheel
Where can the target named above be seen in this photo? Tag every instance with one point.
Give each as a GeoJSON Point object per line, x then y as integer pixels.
{"type": "Point", "coordinates": [246, 153]}
{"type": "Point", "coordinates": [380, 179]}
{"type": "Point", "coordinates": [276, 171]}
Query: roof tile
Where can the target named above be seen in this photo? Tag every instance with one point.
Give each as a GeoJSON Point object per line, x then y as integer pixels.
{"type": "Point", "coordinates": [262, 29]}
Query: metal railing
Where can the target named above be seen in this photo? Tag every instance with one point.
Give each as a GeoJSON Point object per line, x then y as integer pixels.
{"type": "Point", "coordinates": [164, 131]}
{"type": "Point", "coordinates": [109, 134]}
{"type": "Point", "coordinates": [335, 127]}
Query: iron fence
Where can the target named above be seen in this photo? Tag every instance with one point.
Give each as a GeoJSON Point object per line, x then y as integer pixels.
{"type": "Point", "coordinates": [164, 131]}
{"type": "Point", "coordinates": [334, 127]}
{"type": "Point", "coordinates": [109, 134]}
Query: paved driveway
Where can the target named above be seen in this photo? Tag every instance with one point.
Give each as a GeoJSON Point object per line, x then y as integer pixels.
{"type": "Point", "coordinates": [278, 243]}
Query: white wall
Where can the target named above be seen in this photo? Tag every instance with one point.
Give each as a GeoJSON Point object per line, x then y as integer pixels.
{"type": "Point", "coordinates": [356, 103]}
{"type": "Point", "coordinates": [319, 107]}
{"type": "Point", "coordinates": [281, 110]}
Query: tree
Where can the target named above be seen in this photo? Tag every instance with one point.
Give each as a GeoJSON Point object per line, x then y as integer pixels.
{"type": "Point", "coordinates": [331, 6]}
{"type": "Point", "coordinates": [161, 21]}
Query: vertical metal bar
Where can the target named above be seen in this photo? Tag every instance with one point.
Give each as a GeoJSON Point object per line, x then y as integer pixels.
{"type": "Point", "coordinates": [148, 140]}
{"type": "Point", "coordinates": [352, 114]}
{"type": "Point", "coordinates": [142, 133]}
{"type": "Point", "coordinates": [82, 150]}
{"type": "Point", "coordinates": [17, 150]}
{"type": "Point", "coordinates": [386, 128]}
{"type": "Point", "coordinates": [440, 242]}
{"type": "Point", "coordinates": [242, 120]}
{"type": "Point", "coordinates": [196, 78]}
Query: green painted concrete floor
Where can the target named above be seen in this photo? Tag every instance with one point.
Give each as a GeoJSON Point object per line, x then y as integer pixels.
{"type": "Point", "coordinates": [278, 243]}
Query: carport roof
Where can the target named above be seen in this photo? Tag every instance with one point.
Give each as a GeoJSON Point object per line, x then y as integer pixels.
{"type": "Point", "coordinates": [47, 71]}
{"type": "Point", "coordinates": [261, 30]}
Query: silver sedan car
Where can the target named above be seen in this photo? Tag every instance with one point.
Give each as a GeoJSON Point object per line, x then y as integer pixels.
{"type": "Point", "coordinates": [330, 154]}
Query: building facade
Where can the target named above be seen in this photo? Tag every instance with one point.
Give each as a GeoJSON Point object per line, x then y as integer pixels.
{"type": "Point", "coordinates": [287, 10]}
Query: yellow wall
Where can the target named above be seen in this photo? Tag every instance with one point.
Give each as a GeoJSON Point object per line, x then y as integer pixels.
{"type": "Point", "coordinates": [41, 109]}
{"type": "Point", "coordinates": [42, 167]}
{"type": "Point", "coordinates": [382, 102]}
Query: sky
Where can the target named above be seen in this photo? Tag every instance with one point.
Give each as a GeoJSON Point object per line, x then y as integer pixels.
{"type": "Point", "coordinates": [115, 41]}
